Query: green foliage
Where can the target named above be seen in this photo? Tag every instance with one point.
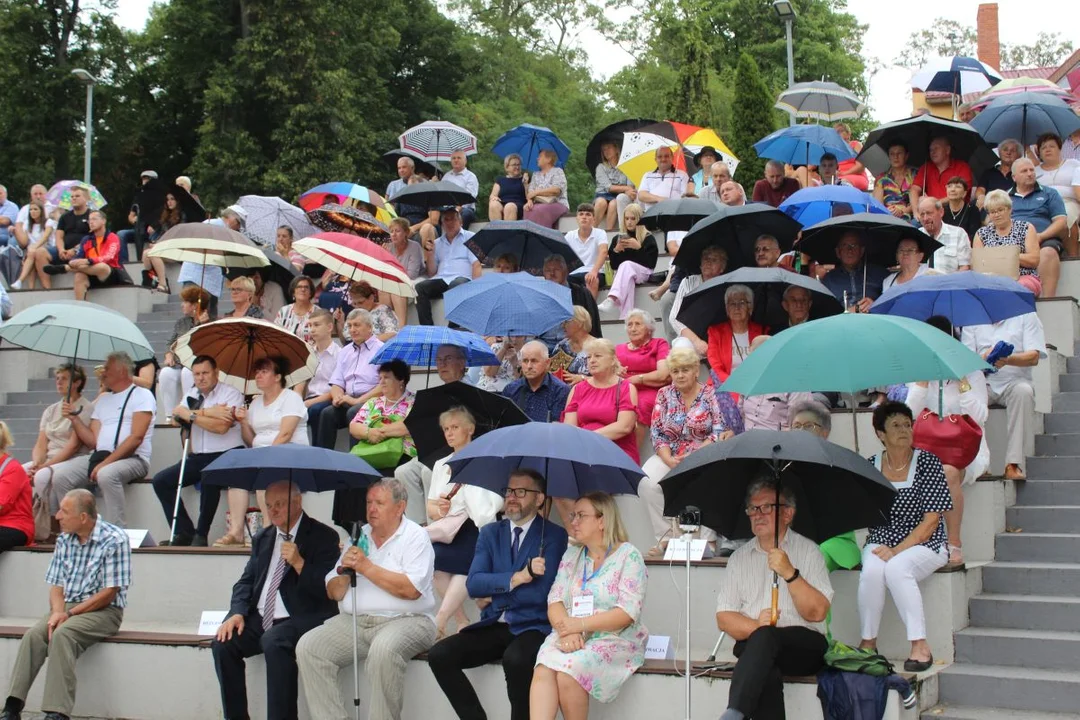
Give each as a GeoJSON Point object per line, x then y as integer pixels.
{"type": "Point", "coordinates": [690, 100]}
{"type": "Point", "coordinates": [754, 120]}
{"type": "Point", "coordinates": [1049, 50]}
{"type": "Point", "coordinates": [945, 38]}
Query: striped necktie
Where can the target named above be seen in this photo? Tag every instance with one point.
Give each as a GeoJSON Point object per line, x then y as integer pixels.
{"type": "Point", "coordinates": [272, 590]}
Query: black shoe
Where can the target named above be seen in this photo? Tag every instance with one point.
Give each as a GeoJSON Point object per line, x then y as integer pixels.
{"type": "Point", "coordinates": [178, 541]}
{"type": "Point", "coordinates": [147, 279]}
{"type": "Point", "coordinates": [918, 666]}
{"type": "Point", "coordinates": [10, 715]}
{"type": "Point", "coordinates": [199, 541]}
{"type": "Point", "coordinates": [56, 716]}
{"type": "Point", "coordinates": [55, 269]}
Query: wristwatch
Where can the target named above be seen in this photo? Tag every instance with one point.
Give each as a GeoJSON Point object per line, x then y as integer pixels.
{"type": "Point", "coordinates": [793, 578]}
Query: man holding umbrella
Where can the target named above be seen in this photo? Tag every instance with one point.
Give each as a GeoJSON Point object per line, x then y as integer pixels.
{"type": "Point", "coordinates": [860, 280]}
{"type": "Point", "coordinates": [449, 263]}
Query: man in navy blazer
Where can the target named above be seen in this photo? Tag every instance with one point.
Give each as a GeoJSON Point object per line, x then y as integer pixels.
{"type": "Point", "coordinates": [283, 580]}
{"type": "Point", "coordinates": [510, 577]}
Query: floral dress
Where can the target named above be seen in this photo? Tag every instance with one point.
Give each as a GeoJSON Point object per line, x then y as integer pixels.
{"type": "Point", "coordinates": [379, 411]}
{"type": "Point", "coordinates": [608, 659]}
{"type": "Point", "coordinates": [383, 320]}
{"type": "Point", "coordinates": [291, 321]}
{"type": "Point", "coordinates": [508, 372]}
{"type": "Point", "coordinates": [680, 430]}
{"type": "Point", "coordinates": [578, 363]}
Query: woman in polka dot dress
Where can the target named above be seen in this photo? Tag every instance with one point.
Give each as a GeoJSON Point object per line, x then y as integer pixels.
{"type": "Point", "coordinates": [913, 543]}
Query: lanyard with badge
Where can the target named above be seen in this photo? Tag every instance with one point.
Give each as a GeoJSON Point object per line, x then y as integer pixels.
{"type": "Point", "coordinates": [581, 603]}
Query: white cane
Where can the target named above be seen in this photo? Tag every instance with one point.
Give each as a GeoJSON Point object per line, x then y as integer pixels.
{"type": "Point", "coordinates": [179, 487]}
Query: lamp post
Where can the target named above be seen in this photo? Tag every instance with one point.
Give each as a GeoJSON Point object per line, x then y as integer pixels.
{"type": "Point", "coordinates": [88, 138]}
{"type": "Point", "coordinates": [786, 12]}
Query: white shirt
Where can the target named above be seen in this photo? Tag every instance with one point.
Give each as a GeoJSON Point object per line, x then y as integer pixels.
{"type": "Point", "coordinates": [891, 279]}
{"type": "Point", "coordinates": [465, 180]}
{"type": "Point", "coordinates": [320, 382]}
{"type": "Point", "coordinates": [740, 348]}
{"type": "Point", "coordinates": [1024, 333]}
{"type": "Point", "coordinates": [959, 397]}
{"type": "Point", "coordinates": [265, 419]}
{"type": "Point", "coordinates": [24, 214]}
{"type": "Point", "coordinates": [1063, 178]}
{"type": "Point", "coordinates": [204, 441]}
{"type": "Point", "coordinates": [671, 184]}
{"type": "Point", "coordinates": [23, 218]}
{"type": "Point", "coordinates": [956, 250]}
{"type": "Point", "coordinates": [481, 505]}
{"type": "Point", "coordinates": [689, 284]}
{"type": "Point", "coordinates": [407, 551]}
{"type": "Point", "coordinates": [453, 259]}
{"type": "Point", "coordinates": [586, 249]}
{"type": "Point", "coordinates": [280, 611]}
{"type": "Point", "coordinates": [107, 412]}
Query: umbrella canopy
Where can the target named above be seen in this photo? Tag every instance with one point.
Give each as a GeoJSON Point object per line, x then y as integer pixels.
{"type": "Point", "coordinates": [814, 204]}
{"type": "Point", "coordinates": [433, 195]}
{"type": "Point", "coordinates": [350, 220]}
{"type": "Point", "coordinates": [266, 214]}
{"type": "Point", "coordinates": [916, 133]}
{"type": "Point", "coordinates": [208, 244]}
{"type": "Point", "coordinates": [190, 208]}
{"type": "Point", "coordinates": [530, 243]}
{"type": "Point", "coordinates": [881, 235]}
{"type": "Point", "coordinates": [491, 411]}
{"type": "Point", "coordinates": [418, 344]}
{"type": "Point", "coordinates": [77, 330]}
{"type": "Point", "coordinates": [613, 133]}
{"type": "Point", "coordinates": [820, 100]}
{"type": "Point", "coordinates": [677, 214]}
{"type": "Point", "coordinates": [735, 229]}
{"type": "Point", "coordinates": [1024, 117]}
{"type": "Point", "coordinates": [835, 489]}
{"type": "Point", "coordinates": [350, 195]}
{"type": "Point", "coordinates": [527, 141]}
{"type": "Point", "coordinates": [957, 75]}
{"type": "Point", "coordinates": [517, 304]}
{"type": "Point", "coordinates": [436, 140]}
{"type": "Point", "coordinates": [238, 343]}
{"type": "Point", "coordinates": [357, 258]}
{"type": "Point", "coordinates": [280, 270]}
{"type": "Point", "coordinates": [803, 145]}
{"type": "Point", "coordinates": [311, 469]}
{"type": "Point", "coordinates": [704, 306]}
{"type": "Point", "coordinates": [421, 165]}
{"type": "Point", "coordinates": [969, 298]}
{"type": "Point", "coordinates": [1011, 86]}
{"type": "Point", "coordinates": [639, 148]}
{"type": "Point", "coordinates": [59, 195]}
{"type": "Point", "coordinates": [574, 461]}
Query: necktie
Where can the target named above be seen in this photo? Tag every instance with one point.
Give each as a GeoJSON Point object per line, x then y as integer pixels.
{"type": "Point", "coordinates": [272, 590]}
{"type": "Point", "coordinates": [516, 544]}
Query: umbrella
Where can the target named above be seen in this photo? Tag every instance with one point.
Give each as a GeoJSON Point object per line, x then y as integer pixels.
{"type": "Point", "coordinates": [735, 229]}
{"type": "Point", "coordinates": [280, 270]}
{"type": "Point", "coordinates": [238, 343]}
{"type": "Point", "coordinates": [491, 411]}
{"type": "Point", "coordinates": [357, 259]}
{"type": "Point", "coordinates": [639, 148]}
{"type": "Point", "coordinates": [803, 145]}
{"type": "Point", "coordinates": [813, 204]}
{"type": "Point", "coordinates": [347, 219]}
{"type": "Point", "coordinates": [820, 100]}
{"type": "Point", "coordinates": [517, 304]}
{"type": "Point", "coordinates": [422, 166]}
{"type": "Point", "coordinates": [968, 298]}
{"type": "Point", "coordinates": [437, 140]}
{"type": "Point", "coordinates": [955, 75]}
{"type": "Point", "coordinates": [208, 244]}
{"type": "Point", "coordinates": [612, 133]}
{"type": "Point", "coordinates": [916, 133]}
{"type": "Point", "coordinates": [191, 209]}
{"type": "Point", "coordinates": [310, 468]}
{"type": "Point", "coordinates": [59, 195]}
{"type": "Point", "coordinates": [418, 344]}
{"type": "Point", "coordinates": [527, 141]}
{"type": "Point", "coordinates": [677, 214]}
{"type": "Point", "coordinates": [530, 243]}
{"type": "Point", "coordinates": [704, 306]}
{"type": "Point", "coordinates": [1024, 117]}
{"type": "Point", "coordinates": [1011, 86]}
{"type": "Point", "coordinates": [433, 195]}
{"type": "Point", "coordinates": [349, 195]}
{"type": "Point", "coordinates": [881, 233]}
{"type": "Point", "coordinates": [266, 214]}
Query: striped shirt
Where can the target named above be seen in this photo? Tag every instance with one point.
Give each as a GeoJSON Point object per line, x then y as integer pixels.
{"type": "Point", "coordinates": [747, 585]}
{"type": "Point", "coordinates": [85, 569]}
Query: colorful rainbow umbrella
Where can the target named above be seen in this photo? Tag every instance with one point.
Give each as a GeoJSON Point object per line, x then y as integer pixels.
{"type": "Point", "coordinates": [639, 148]}
{"type": "Point", "coordinates": [350, 195]}
{"type": "Point", "coordinates": [59, 195]}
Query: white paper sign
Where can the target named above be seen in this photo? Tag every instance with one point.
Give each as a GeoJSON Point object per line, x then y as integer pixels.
{"type": "Point", "coordinates": [140, 538]}
{"type": "Point", "coordinates": [659, 648]}
{"type": "Point", "coordinates": [676, 549]}
{"type": "Point", "coordinates": [210, 621]}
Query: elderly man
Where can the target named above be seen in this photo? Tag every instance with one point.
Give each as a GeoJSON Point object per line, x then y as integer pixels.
{"type": "Point", "coordinates": [354, 380]}
{"type": "Point", "coordinates": [510, 576]}
{"type": "Point", "coordinates": [464, 178]}
{"type": "Point", "coordinates": [955, 253]}
{"type": "Point", "coordinates": [933, 176]}
{"type": "Point", "coordinates": [392, 603]}
{"type": "Point", "coordinates": [449, 264]}
{"type": "Point", "coordinates": [713, 264]}
{"type": "Point", "coordinates": [539, 394]}
{"type": "Point", "coordinates": [1012, 384]}
{"type": "Point", "coordinates": [556, 271]}
{"type": "Point", "coordinates": [860, 281]}
{"type": "Point", "coordinates": [719, 173]}
{"type": "Point", "coordinates": [9, 215]}
{"type": "Point", "coordinates": [796, 644]}
{"type": "Point", "coordinates": [89, 574]}
{"type": "Point", "coordinates": [278, 598]}
{"type": "Point", "coordinates": [796, 302]}
{"type": "Point", "coordinates": [420, 220]}
{"type": "Point", "coordinates": [663, 183]}
{"type": "Point", "coordinates": [207, 414]}
{"type": "Point", "coordinates": [732, 194]}
{"type": "Point", "coordinates": [1045, 210]}
{"type": "Point", "coordinates": [317, 390]}
{"type": "Point", "coordinates": [776, 187]}
{"type": "Point", "coordinates": [120, 430]}
{"type": "Point", "coordinates": [828, 169]}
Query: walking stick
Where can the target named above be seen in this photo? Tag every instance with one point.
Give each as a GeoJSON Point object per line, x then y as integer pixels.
{"type": "Point", "coordinates": [776, 543]}
{"type": "Point", "coordinates": [179, 487]}
{"type": "Point", "coordinates": [355, 631]}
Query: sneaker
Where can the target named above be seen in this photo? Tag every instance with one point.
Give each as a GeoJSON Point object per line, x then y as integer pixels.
{"type": "Point", "coordinates": [607, 306]}
{"type": "Point", "coordinates": [56, 716]}
{"type": "Point", "coordinates": [55, 269]}
{"type": "Point", "coordinates": [17, 285]}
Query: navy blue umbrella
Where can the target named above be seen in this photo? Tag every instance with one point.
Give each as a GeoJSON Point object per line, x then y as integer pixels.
{"type": "Point", "coordinates": [1024, 117]}
{"type": "Point", "coordinates": [803, 145]}
{"type": "Point", "coordinates": [530, 243]}
{"type": "Point", "coordinates": [957, 75]}
{"type": "Point", "coordinates": [967, 298]}
{"type": "Point", "coordinates": [509, 304]}
{"type": "Point", "coordinates": [310, 468]}
{"type": "Point", "coordinates": [527, 141]}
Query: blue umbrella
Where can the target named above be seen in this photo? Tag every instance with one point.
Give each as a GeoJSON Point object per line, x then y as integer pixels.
{"type": "Point", "coordinates": [1024, 117]}
{"type": "Point", "coordinates": [803, 145]}
{"type": "Point", "coordinates": [814, 204]}
{"type": "Point", "coordinates": [967, 298]}
{"type": "Point", "coordinates": [509, 304]}
{"type": "Point", "coordinates": [417, 345]}
{"type": "Point", "coordinates": [527, 141]}
{"type": "Point", "coordinates": [310, 468]}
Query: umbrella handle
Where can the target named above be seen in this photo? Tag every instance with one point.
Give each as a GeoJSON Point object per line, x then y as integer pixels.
{"type": "Point", "coordinates": [775, 602]}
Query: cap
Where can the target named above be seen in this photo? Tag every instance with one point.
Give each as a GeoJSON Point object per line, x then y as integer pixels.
{"type": "Point", "coordinates": [149, 174]}
{"type": "Point", "coordinates": [238, 211]}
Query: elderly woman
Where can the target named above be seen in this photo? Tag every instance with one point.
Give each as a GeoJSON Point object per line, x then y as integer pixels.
{"type": "Point", "coordinates": [643, 362]}
{"type": "Point", "coordinates": [546, 199]}
{"type": "Point", "coordinates": [468, 507]}
{"type": "Point", "coordinates": [16, 503]}
{"type": "Point", "coordinates": [909, 260]}
{"type": "Point", "coordinates": [379, 425]}
{"type": "Point", "coordinates": [283, 245]}
{"type": "Point", "coordinates": [597, 640]}
{"type": "Point", "coordinates": [56, 441]}
{"type": "Point", "coordinates": [912, 545]}
{"type": "Point", "coordinates": [407, 252]}
{"type": "Point", "coordinates": [685, 418]}
{"type": "Point", "coordinates": [494, 378]}
{"type": "Point", "coordinates": [1000, 176]}
{"type": "Point", "coordinates": [175, 380]}
{"type": "Point", "coordinates": [294, 317]}
{"type": "Point", "coordinates": [1062, 174]}
{"type": "Point", "coordinates": [242, 291]}
{"type": "Point", "coordinates": [729, 342]}
{"type": "Point", "coordinates": [604, 402]}
{"type": "Point", "coordinates": [569, 355]}
{"type": "Point", "coordinates": [633, 258]}
{"type": "Point", "coordinates": [891, 188]}
{"type": "Point", "coordinates": [508, 194]}
{"type": "Point", "coordinates": [1002, 231]}
{"type": "Point", "coordinates": [614, 191]}
{"type": "Point", "coordinates": [384, 323]}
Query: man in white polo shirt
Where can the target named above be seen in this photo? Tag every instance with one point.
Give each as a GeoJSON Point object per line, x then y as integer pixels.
{"type": "Point", "coordinates": [394, 564]}
{"type": "Point", "coordinates": [663, 183]}
{"type": "Point", "coordinates": [955, 253]}
{"type": "Point", "coordinates": [449, 263]}
{"type": "Point", "coordinates": [591, 245]}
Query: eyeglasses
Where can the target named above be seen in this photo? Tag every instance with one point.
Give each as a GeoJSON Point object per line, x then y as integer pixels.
{"type": "Point", "coordinates": [908, 251]}
{"type": "Point", "coordinates": [519, 493]}
{"type": "Point", "coordinates": [811, 426]}
{"type": "Point", "coordinates": [766, 509]}
{"type": "Point", "coordinates": [575, 516]}
{"type": "Point", "coordinates": [849, 246]}
{"type": "Point", "coordinates": [738, 304]}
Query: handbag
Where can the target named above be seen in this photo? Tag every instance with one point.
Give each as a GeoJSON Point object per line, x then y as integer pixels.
{"type": "Point", "coordinates": [1003, 260]}
{"type": "Point", "coordinates": [955, 439]}
{"type": "Point", "coordinates": [386, 453]}
{"type": "Point", "coordinates": [445, 529]}
{"type": "Point", "coordinates": [40, 509]}
{"type": "Point", "coordinates": [98, 456]}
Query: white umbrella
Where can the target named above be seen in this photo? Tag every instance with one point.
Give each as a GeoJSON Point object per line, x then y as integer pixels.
{"type": "Point", "coordinates": [437, 140]}
{"type": "Point", "coordinates": [266, 214]}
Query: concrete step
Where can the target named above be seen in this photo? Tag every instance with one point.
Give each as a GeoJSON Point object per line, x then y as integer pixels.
{"type": "Point", "coordinates": [1044, 547]}
{"type": "Point", "coordinates": [1057, 444]}
{"type": "Point", "coordinates": [127, 300]}
{"type": "Point", "coordinates": [1061, 322]}
{"type": "Point", "coordinates": [1070, 382]}
{"type": "Point", "coordinates": [1038, 578]}
{"type": "Point", "coordinates": [1059, 467]}
{"type": "Point", "coordinates": [1066, 402]}
{"type": "Point", "coordinates": [1044, 518]}
{"type": "Point", "coordinates": [954, 712]}
{"type": "Point", "coordinates": [1072, 366]}
{"type": "Point", "coordinates": [1048, 492]}
{"type": "Point", "coordinates": [1030, 612]}
{"type": "Point", "coordinates": [1052, 650]}
{"type": "Point", "coordinates": [1061, 422]}
{"type": "Point", "coordinates": [22, 411]}
{"type": "Point", "coordinates": [1012, 687]}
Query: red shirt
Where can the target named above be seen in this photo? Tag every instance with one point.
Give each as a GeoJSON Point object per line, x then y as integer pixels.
{"type": "Point", "coordinates": [935, 180]}
{"type": "Point", "coordinates": [16, 499]}
{"type": "Point", "coordinates": [102, 250]}
{"type": "Point", "coordinates": [764, 192]}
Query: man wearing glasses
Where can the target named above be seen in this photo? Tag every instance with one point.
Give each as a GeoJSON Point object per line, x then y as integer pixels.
{"type": "Point", "coordinates": [859, 280]}
{"type": "Point", "coordinates": [795, 644]}
{"type": "Point", "coordinates": [514, 567]}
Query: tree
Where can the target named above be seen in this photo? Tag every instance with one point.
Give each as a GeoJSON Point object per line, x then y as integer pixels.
{"type": "Point", "coordinates": [754, 120]}
{"type": "Point", "coordinates": [944, 38]}
{"type": "Point", "coordinates": [690, 100]}
{"type": "Point", "coordinates": [1049, 50]}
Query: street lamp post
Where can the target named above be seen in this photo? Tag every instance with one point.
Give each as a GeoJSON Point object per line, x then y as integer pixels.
{"type": "Point", "coordinates": [786, 12]}
{"type": "Point", "coordinates": [88, 138]}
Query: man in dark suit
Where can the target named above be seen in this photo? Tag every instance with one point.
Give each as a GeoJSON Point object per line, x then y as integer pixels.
{"type": "Point", "coordinates": [283, 582]}
{"type": "Point", "coordinates": [510, 576]}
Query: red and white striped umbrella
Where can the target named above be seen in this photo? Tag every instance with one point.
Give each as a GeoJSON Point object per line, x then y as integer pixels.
{"type": "Point", "coordinates": [357, 258]}
{"type": "Point", "coordinates": [437, 140]}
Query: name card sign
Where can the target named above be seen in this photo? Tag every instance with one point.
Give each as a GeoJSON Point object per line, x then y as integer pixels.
{"type": "Point", "coordinates": [677, 548]}
{"type": "Point", "coordinates": [210, 621]}
{"type": "Point", "coordinates": [659, 647]}
{"type": "Point", "coordinates": [140, 538]}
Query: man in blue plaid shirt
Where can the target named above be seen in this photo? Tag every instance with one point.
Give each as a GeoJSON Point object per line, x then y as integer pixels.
{"type": "Point", "coordinates": [89, 576]}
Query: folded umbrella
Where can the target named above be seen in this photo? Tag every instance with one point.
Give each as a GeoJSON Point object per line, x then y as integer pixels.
{"type": "Point", "coordinates": [418, 344]}
{"type": "Point", "coordinates": [735, 229]}
{"type": "Point", "coordinates": [59, 195]}
{"type": "Point", "coordinates": [613, 133]}
{"type": "Point", "coordinates": [677, 214]}
{"type": "Point", "coordinates": [803, 145]}
{"type": "Point", "coordinates": [530, 243]}
{"type": "Point", "coordinates": [266, 214]}
{"type": "Point", "coordinates": [357, 258]}
{"type": "Point", "coordinates": [527, 141]}
{"type": "Point", "coordinates": [517, 304]}
{"type": "Point", "coordinates": [814, 204]}
{"type": "Point", "coordinates": [820, 100]}
{"type": "Point", "coordinates": [881, 235]}
{"type": "Point", "coordinates": [348, 219]}
{"type": "Point", "coordinates": [968, 298]}
{"type": "Point", "coordinates": [437, 140]}
{"type": "Point", "coordinates": [916, 133]}
{"type": "Point", "coordinates": [1025, 117]}
{"type": "Point", "coordinates": [421, 165]}
{"type": "Point", "coordinates": [433, 195]}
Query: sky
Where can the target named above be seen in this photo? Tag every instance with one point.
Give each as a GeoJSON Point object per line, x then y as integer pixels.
{"type": "Point", "coordinates": [889, 26]}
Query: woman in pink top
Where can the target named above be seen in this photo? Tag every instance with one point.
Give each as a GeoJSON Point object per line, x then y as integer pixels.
{"type": "Point", "coordinates": [604, 402]}
{"type": "Point", "coordinates": [644, 365]}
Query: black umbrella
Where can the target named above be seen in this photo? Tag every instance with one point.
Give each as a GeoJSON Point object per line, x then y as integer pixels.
{"type": "Point", "coordinates": [916, 133]}
{"type": "Point", "coordinates": [677, 214]}
{"type": "Point", "coordinates": [422, 166]}
{"type": "Point", "coordinates": [705, 305]}
{"type": "Point", "coordinates": [530, 243]}
{"type": "Point", "coordinates": [150, 199]}
{"type": "Point", "coordinates": [881, 234]}
{"type": "Point", "coordinates": [191, 208]}
{"type": "Point", "coordinates": [491, 411]}
{"type": "Point", "coordinates": [433, 195]}
{"type": "Point", "coordinates": [736, 229]}
{"type": "Point", "coordinates": [612, 133]}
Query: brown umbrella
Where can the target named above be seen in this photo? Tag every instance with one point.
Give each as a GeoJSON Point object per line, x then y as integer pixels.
{"type": "Point", "coordinates": [346, 219]}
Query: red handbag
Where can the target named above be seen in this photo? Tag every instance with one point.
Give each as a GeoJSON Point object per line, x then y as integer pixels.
{"type": "Point", "coordinates": [954, 439]}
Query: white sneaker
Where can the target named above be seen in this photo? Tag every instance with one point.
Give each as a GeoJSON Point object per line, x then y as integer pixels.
{"type": "Point", "coordinates": [607, 306]}
{"type": "Point", "coordinates": [17, 285]}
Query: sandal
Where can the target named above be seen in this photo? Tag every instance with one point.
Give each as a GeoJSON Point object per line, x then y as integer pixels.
{"type": "Point", "coordinates": [956, 555]}
{"type": "Point", "coordinates": [163, 289]}
{"type": "Point", "coordinates": [226, 541]}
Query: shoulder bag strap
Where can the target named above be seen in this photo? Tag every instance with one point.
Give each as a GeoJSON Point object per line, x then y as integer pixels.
{"type": "Point", "coordinates": [120, 422]}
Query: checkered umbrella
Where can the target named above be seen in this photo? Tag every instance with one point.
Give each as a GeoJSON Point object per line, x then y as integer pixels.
{"type": "Point", "coordinates": [417, 345]}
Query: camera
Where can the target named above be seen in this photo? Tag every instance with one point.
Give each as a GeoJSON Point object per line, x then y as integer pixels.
{"type": "Point", "coordinates": [690, 516]}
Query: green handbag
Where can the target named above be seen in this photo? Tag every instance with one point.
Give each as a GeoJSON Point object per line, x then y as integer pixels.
{"type": "Point", "coordinates": [385, 454]}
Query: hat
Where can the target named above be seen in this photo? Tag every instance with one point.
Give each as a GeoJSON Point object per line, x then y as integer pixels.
{"type": "Point", "coordinates": [237, 211]}
{"type": "Point", "coordinates": [707, 150]}
{"type": "Point", "coordinates": [149, 174]}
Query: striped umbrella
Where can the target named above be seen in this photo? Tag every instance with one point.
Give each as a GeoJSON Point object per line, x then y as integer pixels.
{"type": "Point", "coordinates": [357, 258]}
{"type": "Point", "coordinates": [820, 100]}
{"type": "Point", "coordinates": [436, 140]}
{"type": "Point", "coordinates": [350, 195]}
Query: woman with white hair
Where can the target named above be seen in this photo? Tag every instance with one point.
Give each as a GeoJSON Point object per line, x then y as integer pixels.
{"type": "Point", "coordinates": [633, 257]}
{"type": "Point", "coordinates": [643, 362]}
{"type": "Point", "coordinates": [1002, 231]}
{"type": "Point", "coordinates": [729, 341]}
